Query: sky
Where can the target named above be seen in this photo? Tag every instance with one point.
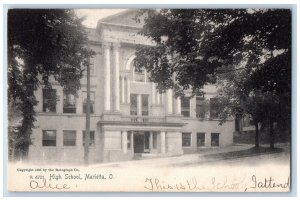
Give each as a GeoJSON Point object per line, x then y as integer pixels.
{"type": "Point", "coordinates": [93, 15]}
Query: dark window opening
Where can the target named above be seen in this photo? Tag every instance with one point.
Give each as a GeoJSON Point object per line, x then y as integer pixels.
{"type": "Point", "coordinates": [49, 138]}
{"type": "Point", "coordinates": [215, 139]}
{"type": "Point", "coordinates": [185, 106]}
{"type": "Point", "coordinates": [186, 139]}
{"type": "Point", "coordinates": [214, 108]}
{"type": "Point", "coordinates": [145, 102]}
{"type": "Point", "coordinates": [49, 100]}
{"type": "Point", "coordinates": [133, 104]}
{"type": "Point", "coordinates": [200, 107]}
{"type": "Point", "coordinates": [69, 103]}
{"type": "Point", "coordinates": [200, 139]}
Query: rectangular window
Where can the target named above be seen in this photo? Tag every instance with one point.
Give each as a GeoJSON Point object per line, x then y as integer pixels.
{"type": "Point", "coordinates": [69, 103]}
{"type": "Point", "coordinates": [145, 107]}
{"type": "Point", "coordinates": [69, 138]}
{"type": "Point", "coordinates": [215, 139]}
{"type": "Point", "coordinates": [185, 106]}
{"type": "Point", "coordinates": [200, 139]}
{"type": "Point", "coordinates": [133, 104]}
{"type": "Point", "coordinates": [92, 102]}
{"type": "Point", "coordinates": [186, 139]}
{"type": "Point", "coordinates": [49, 138]}
{"type": "Point", "coordinates": [200, 107]}
{"type": "Point", "coordinates": [92, 138]}
{"type": "Point", "coordinates": [49, 100]}
{"type": "Point", "coordinates": [214, 108]}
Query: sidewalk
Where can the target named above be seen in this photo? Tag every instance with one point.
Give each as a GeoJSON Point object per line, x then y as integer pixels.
{"type": "Point", "coordinates": [202, 156]}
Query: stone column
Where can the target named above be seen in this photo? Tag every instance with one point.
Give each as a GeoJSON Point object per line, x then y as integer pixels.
{"type": "Point", "coordinates": [107, 98]}
{"type": "Point", "coordinates": [116, 77]}
{"type": "Point", "coordinates": [131, 141]}
{"type": "Point", "coordinates": [123, 89]}
{"type": "Point", "coordinates": [128, 89]}
{"type": "Point", "coordinates": [169, 101]}
{"type": "Point", "coordinates": [153, 94]}
{"type": "Point", "coordinates": [163, 142]}
{"type": "Point", "coordinates": [139, 105]}
{"type": "Point", "coordinates": [178, 105]}
{"type": "Point", "coordinates": [151, 142]}
{"type": "Point", "coordinates": [159, 98]}
{"type": "Point", "coordinates": [145, 76]}
{"type": "Point", "coordinates": [124, 141]}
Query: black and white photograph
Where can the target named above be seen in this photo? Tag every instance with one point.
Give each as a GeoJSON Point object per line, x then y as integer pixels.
{"type": "Point", "coordinates": [149, 99]}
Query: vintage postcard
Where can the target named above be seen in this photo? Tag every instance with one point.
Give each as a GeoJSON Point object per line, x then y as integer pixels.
{"type": "Point", "coordinates": [174, 100]}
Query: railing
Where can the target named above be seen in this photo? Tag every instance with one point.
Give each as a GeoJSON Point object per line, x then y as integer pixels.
{"type": "Point", "coordinates": [144, 119]}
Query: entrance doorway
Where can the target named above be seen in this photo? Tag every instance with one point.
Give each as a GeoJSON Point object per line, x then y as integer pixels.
{"type": "Point", "coordinates": [139, 139]}
{"type": "Point", "coordinates": [141, 142]}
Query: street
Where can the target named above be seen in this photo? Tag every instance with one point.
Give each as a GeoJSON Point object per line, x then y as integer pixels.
{"type": "Point", "coordinates": [236, 155]}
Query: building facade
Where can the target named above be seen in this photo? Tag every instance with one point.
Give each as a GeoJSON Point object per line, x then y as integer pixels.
{"type": "Point", "coordinates": [129, 117]}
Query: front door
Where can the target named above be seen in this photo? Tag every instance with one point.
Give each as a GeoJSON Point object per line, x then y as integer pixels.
{"type": "Point", "coordinates": [139, 141]}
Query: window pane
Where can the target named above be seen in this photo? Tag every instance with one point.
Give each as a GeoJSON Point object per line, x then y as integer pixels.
{"type": "Point", "coordinates": [69, 138]}
{"type": "Point", "coordinates": [185, 106]}
{"type": "Point", "coordinates": [92, 138]}
{"type": "Point", "coordinates": [49, 138]}
{"type": "Point", "coordinates": [215, 139]}
{"type": "Point", "coordinates": [69, 103]}
{"type": "Point", "coordinates": [92, 102]}
{"type": "Point", "coordinates": [49, 100]}
{"type": "Point", "coordinates": [186, 139]}
{"type": "Point", "coordinates": [200, 139]}
{"type": "Point", "coordinates": [214, 108]}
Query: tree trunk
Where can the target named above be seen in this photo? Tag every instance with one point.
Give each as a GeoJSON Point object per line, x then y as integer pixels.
{"type": "Point", "coordinates": [272, 136]}
{"type": "Point", "coordinates": [256, 135]}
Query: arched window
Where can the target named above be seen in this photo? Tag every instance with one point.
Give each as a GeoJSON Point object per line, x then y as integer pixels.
{"type": "Point", "coordinates": [138, 75]}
